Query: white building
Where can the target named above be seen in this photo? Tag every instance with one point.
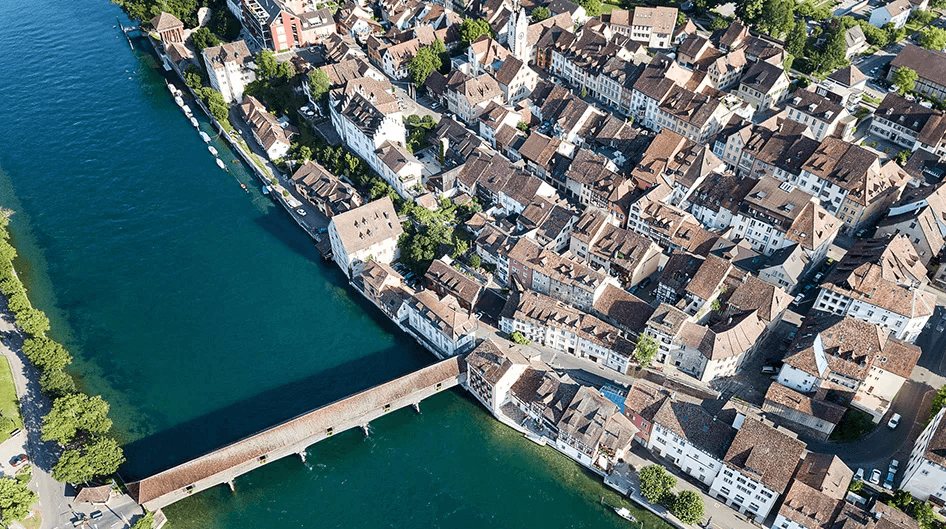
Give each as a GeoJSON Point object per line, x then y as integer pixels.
{"type": "Point", "coordinates": [366, 233]}
{"type": "Point", "coordinates": [896, 13]}
{"type": "Point", "coordinates": [654, 25]}
{"type": "Point", "coordinates": [690, 437]}
{"type": "Point", "coordinates": [491, 371]}
{"type": "Point", "coordinates": [925, 475]}
{"type": "Point", "coordinates": [442, 323]}
{"type": "Point", "coordinates": [708, 353]}
{"type": "Point", "coordinates": [230, 68]}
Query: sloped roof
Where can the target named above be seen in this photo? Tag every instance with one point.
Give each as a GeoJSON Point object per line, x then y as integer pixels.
{"type": "Point", "coordinates": [765, 454]}
{"type": "Point", "coordinates": [166, 21]}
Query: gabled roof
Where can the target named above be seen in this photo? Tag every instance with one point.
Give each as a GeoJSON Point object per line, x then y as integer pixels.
{"type": "Point", "coordinates": [368, 225]}
{"type": "Point", "coordinates": [765, 454]}
{"type": "Point", "coordinates": [848, 76]}
{"type": "Point", "coordinates": [770, 301]}
{"type": "Point", "coordinates": [166, 21]}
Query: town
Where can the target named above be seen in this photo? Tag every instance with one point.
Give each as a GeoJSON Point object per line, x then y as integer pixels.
{"type": "Point", "coordinates": [696, 241]}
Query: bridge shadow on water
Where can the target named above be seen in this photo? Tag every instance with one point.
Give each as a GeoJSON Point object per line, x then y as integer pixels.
{"type": "Point", "coordinates": [216, 429]}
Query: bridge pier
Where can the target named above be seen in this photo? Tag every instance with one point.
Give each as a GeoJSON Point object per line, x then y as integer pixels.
{"type": "Point", "coordinates": [232, 486]}
{"type": "Point", "coordinates": [302, 456]}
{"type": "Point", "coordinates": [416, 406]}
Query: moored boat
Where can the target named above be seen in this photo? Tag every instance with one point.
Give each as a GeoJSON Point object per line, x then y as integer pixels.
{"type": "Point", "coordinates": [624, 513]}
{"type": "Point", "coordinates": [212, 150]}
{"type": "Point", "coordinates": [179, 101]}
{"type": "Point", "coordinates": [195, 123]}
{"type": "Point", "coordinates": [220, 164]}
{"type": "Point", "coordinates": [205, 137]}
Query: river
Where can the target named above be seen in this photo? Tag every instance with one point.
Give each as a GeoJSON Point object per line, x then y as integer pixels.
{"type": "Point", "coordinates": [202, 313]}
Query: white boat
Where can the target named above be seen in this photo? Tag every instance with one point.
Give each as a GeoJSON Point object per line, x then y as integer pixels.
{"type": "Point", "coordinates": [624, 513]}
{"type": "Point", "coordinates": [187, 111]}
{"type": "Point", "coordinates": [179, 101]}
{"type": "Point", "coordinates": [221, 165]}
{"type": "Point", "coordinates": [212, 150]}
{"type": "Point", "coordinates": [205, 137]}
{"type": "Point", "coordinates": [265, 190]}
{"type": "Point", "coordinates": [195, 123]}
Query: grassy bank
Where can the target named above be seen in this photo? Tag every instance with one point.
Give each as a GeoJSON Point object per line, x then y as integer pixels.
{"type": "Point", "coordinates": [10, 418]}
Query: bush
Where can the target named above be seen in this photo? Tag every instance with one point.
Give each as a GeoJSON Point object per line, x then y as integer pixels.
{"type": "Point", "coordinates": [519, 338]}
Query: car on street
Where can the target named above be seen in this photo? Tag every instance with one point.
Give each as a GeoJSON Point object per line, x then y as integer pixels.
{"type": "Point", "coordinates": [939, 328]}
{"type": "Point", "coordinates": [894, 421]}
{"type": "Point", "coordinates": [859, 475]}
{"type": "Point", "coordinates": [818, 276]}
{"type": "Point", "coordinates": [798, 299]}
{"type": "Point", "coordinates": [888, 483]}
{"type": "Point", "coordinates": [875, 476]}
{"type": "Point", "coordinates": [95, 515]}
{"type": "Point", "coordinates": [301, 212]}
{"type": "Point", "coordinates": [19, 460]}
{"type": "Point", "coordinates": [769, 370]}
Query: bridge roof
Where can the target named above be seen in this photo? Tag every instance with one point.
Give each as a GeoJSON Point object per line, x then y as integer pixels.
{"type": "Point", "coordinates": [291, 432]}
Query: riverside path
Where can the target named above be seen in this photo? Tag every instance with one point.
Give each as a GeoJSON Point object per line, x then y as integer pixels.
{"type": "Point", "coordinates": [295, 435]}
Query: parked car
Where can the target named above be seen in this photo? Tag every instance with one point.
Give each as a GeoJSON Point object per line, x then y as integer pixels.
{"type": "Point", "coordinates": [769, 370]}
{"type": "Point", "coordinates": [888, 483]}
{"type": "Point", "coordinates": [95, 515]}
{"type": "Point", "coordinates": [859, 475]}
{"type": "Point", "coordinates": [894, 421]}
{"type": "Point", "coordinates": [301, 212]}
{"type": "Point", "coordinates": [19, 460]}
{"type": "Point", "coordinates": [818, 276]}
{"type": "Point", "coordinates": [798, 299]}
{"type": "Point", "coordinates": [894, 464]}
{"type": "Point", "coordinates": [875, 476]}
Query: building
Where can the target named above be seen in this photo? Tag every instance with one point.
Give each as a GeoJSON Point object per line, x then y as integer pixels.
{"type": "Point", "coordinates": [267, 130]}
{"type": "Point", "coordinates": [363, 234]}
{"type": "Point", "coordinates": [920, 215]}
{"type": "Point", "coordinates": [929, 65]}
{"type": "Point", "coordinates": [690, 437]}
{"type": "Point", "coordinates": [653, 26]}
{"type": "Point", "coordinates": [896, 12]}
{"type": "Point", "coordinates": [446, 280]}
{"type": "Point", "coordinates": [844, 86]}
{"type": "Point", "coordinates": [822, 116]}
{"type": "Point", "coordinates": [169, 28]}
{"type": "Point", "coordinates": [641, 404]}
{"type": "Point", "coordinates": [491, 372]}
{"type": "Point", "coordinates": [593, 432]}
{"type": "Point", "coordinates": [855, 360]}
{"type": "Point", "coordinates": [664, 327]}
{"type": "Point", "coordinates": [764, 85]}
{"type": "Point", "coordinates": [551, 323]}
{"type": "Point", "coordinates": [925, 475]}
{"type": "Point", "coordinates": [758, 468]}
{"type": "Point", "coordinates": [621, 253]}
{"type": "Point", "coordinates": [785, 267]}
{"type": "Point", "coordinates": [442, 323]}
{"type": "Point", "coordinates": [910, 125]}
{"type": "Point", "coordinates": [468, 97]}
{"type": "Point", "coordinates": [809, 414]}
{"type": "Point", "coordinates": [230, 68]}
{"type": "Point", "coordinates": [753, 293]}
{"type": "Point", "coordinates": [879, 281]}
{"type": "Point", "coordinates": [284, 25]}
{"type": "Point", "coordinates": [719, 350]}
{"type": "Point", "coordinates": [325, 190]}
{"type": "Point", "coordinates": [816, 497]}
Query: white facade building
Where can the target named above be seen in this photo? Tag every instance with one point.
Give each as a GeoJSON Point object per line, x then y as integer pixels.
{"type": "Point", "coordinates": [925, 475]}
{"type": "Point", "coordinates": [366, 233]}
{"type": "Point", "coordinates": [230, 68]}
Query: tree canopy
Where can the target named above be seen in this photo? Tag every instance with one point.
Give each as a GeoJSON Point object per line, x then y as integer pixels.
{"type": "Point", "coordinates": [592, 7]}
{"type": "Point", "coordinates": [777, 17]}
{"type": "Point", "coordinates": [266, 64]}
{"type": "Point", "coordinates": [540, 13]}
{"type": "Point", "coordinates": [204, 38]}
{"type": "Point", "coordinates": [215, 103]}
{"type": "Point", "coordinates": [796, 40]}
{"type": "Point", "coordinates": [646, 350]}
{"type": "Point", "coordinates": [57, 383]}
{"type": "Point", "coordinates": [15, 499]}
{"type": "Point", "coordinates": [145, 10]}
{"type": "Point", "coordinates": [426, 61]}
{"type": "Point", "coordinates": [688, 507]}
{"type": "Point", "coordinates": [473, 28]}
{"type": "Point", "coordinates": [656, 483]}
{"type": "Point", "coordinates": [46, 353]}
{"type": "Point", "coordinates": [905, 79]}
{"type": "Point", "coordinates": [74, 413]}
{"type": "Point", "coordinates": [79, 465]}
{"type": "Point", "coordinates": [319, 84]}
{"type": "Point", "coordinates": [933, 38]}
{"type": "Point", "coordinates": [519, 338]}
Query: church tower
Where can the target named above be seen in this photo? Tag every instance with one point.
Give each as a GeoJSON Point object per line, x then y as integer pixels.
{"type": "Point", "coordinates": [517, 38]}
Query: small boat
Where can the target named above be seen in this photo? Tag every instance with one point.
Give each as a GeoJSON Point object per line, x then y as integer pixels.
{"type": "Point", "coordinates": [187, 111]}
{"type": "Point", "coordinates": [212, 150]}
{"type": "Point", "coordinates": [195, 123]}
{"type": "Point", "coordinates": [179, 101]}
{"type": "Point", "coordinates": [624, 513]}
{"type": "Point", "coordinates": [205, 137]}
{"type": "Point", "coordinates": [265, 190]}
{"type": "Point", "coordinates": [220, 164]}
{"type": "Point", "coordinates": [244, 187]}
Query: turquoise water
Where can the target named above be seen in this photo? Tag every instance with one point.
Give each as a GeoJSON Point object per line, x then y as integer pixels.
{"type": "Point", "coordinates": [202, 313]}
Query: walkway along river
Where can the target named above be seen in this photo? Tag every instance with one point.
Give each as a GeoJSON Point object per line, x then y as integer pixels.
{"type": "Point", "coordinates": [203, 314]}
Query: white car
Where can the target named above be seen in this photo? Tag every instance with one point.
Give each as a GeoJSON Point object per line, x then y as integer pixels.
{"type": "Point", "coordinates": [894, 421]}
{"type": "Point", "coordinates": [859, 475]}
{"type": "Point", "coordinates": [301, 212]}
{"type": "Point", "coordinates": [875, 476]}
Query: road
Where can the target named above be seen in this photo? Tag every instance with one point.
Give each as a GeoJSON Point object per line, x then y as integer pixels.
{"type": "Point", "coordinates": [54, 501]}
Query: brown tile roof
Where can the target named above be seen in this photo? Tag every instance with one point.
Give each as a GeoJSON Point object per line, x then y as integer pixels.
{"type": "Point", "coordinates": [731, 337]}
{"type": "Point", "coordinates": [370, 224]}
{"type": "Point", "coordinates": [166, 21]}
{"type": "Point", "coordinates": [491, 362]}
{"type": "Point", "coordinates": [848, 76]}
{"type": "Point", "coordinates": [825, 473]}
{"type": "Point", "coordinates": [765, 454]}
{"type": "Point", "coordinates": [645, 398]}
{"type": "Point", "coordinates": [809, 508]}
{"type": "Point", "coordinates": [446, 314]}
{"type": "Point", "coordinates": [555, 266]}
{"type": "Point", "coordinates": [936, 450]}
{"type": "Point", "coordinates": [709, 277]}
{"type": "Point", "coordinates": [755, 294]}
{"type": "Point", "coordinates": [547, 391]}
{"type": "Point", "coordinates": [311, 425]}
{"type": "Point", "coordinates": [690, 421]}
{"type": "Point", "coordinates": [791, 399]}
{"type": "Point", "coordinates": [228, 52]}
{"type": "Point", "coordinates": [929, 64]}
{"type": "Point", "coordinates": [623, 309]}
{"type": "Point", "coordinates": [850, 345]}
{"type": "Point", "coordinates": [679, 270]}
{"type": "Point", "coordinates": [762, 76]}
{"type": "Point", "coordinates": [453, 282]}
{"type": "Point", "coordinates": [586, 416]}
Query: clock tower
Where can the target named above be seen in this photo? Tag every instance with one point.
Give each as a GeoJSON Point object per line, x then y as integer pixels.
{"type": "Point", "coordinates": [517, 38]}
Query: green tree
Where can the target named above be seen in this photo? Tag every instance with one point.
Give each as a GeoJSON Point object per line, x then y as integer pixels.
{"type": "Point", "coordinates": [319, 84]}
{"type": "Point", "coordinates": [540, 13]}
{"type": "Point", "coordinates": [472, 29]}
{"type": "Point", "coordinates": [901, 499]}
{"type": "Point", "coordinates": [933, 38]}
{"type": "Point", "coordinates": [656, 483]}
{"type": "Point", "coordinates": [938, 4]}
{"type": "Point", "coordinates": [224, 24]}
{"type": "Point", "coordinates": [192, 77]}
{"type": "Point", "coordinates": [460, 247]}
{"type": "Point", "coordinates": [688, 507]}
{"type": "Point", "coordinates": [475, 261]}
{"type": "Point", "coordinates": [939, 400]}
{"type": "Point", "coordinates": [777, 17]}
{"type": "Point", "coordinates": [145, 522]}
{"type": "Point", "coordinates": [266, 64]}
{"type": "Point", "coordinates": [79, 465]}
{"type": "Point", "coordinates": [645, 350]}
{"type": "Point", "coordinates": [422, 64]}
{"type": "Point", "coordinates": [796, 40]}
{"type": "Point", "coordinates": [749, 11]}
{"type": "Point", "coordinates": [922, 512]}
{"type": "Point", "coordinates": [216, 104]}
{"type": "Point", "coordinates": [75, 413]}
{"type": "Point", "coordinates": [57, 383]}
{"type": "Point", "coordinates": [922, 17]}
{"type": "Point", "coordinates": [874, 35]}
{"type": "Point", "coordinates": [681, 18]}
{"type": "Point", "coordinates": [33, 322]}
{"type": "Point", "coordinates": [204, 38]}
{"type": "Point", "coordinates": [905, 79]}
{"type": "Point", "coordinates": [592, 7]}
{"type": "Point", "coordinates": [519, 338]}
{"type": "Point", "coordinates": [285, 70]}
{"type": "Point", "coordinates": [719, 23]}
{"type": "Point", "coordinates": [903, 156]}
{"type": "Point", "coordinates": [15, 500]}
{"type": "Point", "coordinates": [46, 353]}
